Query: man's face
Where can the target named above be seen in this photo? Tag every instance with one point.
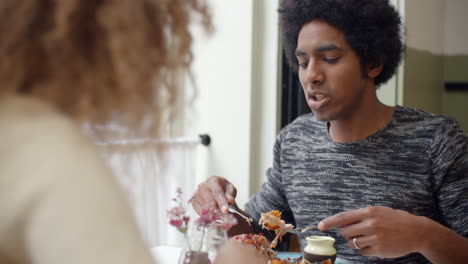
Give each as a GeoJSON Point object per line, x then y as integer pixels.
{"type": "Point", "coordinates": [330, 72]}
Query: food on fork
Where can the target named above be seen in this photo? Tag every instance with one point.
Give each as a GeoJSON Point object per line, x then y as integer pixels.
{"type": "Point", "coordinates": [272, 221]}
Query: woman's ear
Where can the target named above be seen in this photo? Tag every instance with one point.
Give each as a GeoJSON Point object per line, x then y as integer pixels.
{"type": "Point", "coordinates": [373, 70]}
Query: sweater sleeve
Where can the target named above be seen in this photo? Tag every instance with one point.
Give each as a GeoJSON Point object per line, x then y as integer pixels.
{"type": "Point", "coordinates": [271, 195]}
{"type": "Point", "coordinates": [449, 159]}
{"type": "Point", "coordinates": [59, 202]}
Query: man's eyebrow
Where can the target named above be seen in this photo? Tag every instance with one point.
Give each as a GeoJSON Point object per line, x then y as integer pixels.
{"type": "Point", "coordinates": [327, 48]}
{"type": "Point", "coordinates": [319, 49]}
{"type": "Point", "coordinates": [299, 53]}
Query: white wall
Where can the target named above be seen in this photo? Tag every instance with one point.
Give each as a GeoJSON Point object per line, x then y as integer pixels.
{"type": "Point", "coordinates": [425, 24]}
{"type": "Point", "coordinates": [421, 85]}
{"type": "Point", "coordinates": [388, 92]}
{"type": "Point", "coordinates": [265, 116]}
{"type": "Point", "coordinates": [455, 59]}
{"type": "Point", "coordinates": [236, 75]}
{"type": "Point", "coordinates": [456, 21]}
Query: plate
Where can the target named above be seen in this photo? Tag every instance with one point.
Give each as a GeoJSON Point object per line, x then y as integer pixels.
{"type": "Point", "coordinates": [293, 255]}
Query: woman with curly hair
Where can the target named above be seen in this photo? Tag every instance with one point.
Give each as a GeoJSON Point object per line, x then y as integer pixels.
{"type": "Point", "coordinates": [385, 181]}
{"type": "Point", "coordinates": [66, 63]}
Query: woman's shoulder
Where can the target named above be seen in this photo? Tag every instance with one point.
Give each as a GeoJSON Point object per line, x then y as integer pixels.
{"type": "Point", "coordinates": [27, 119]}
{"type": "Point", "coordinates": [34, 132]}
{"type": "Point", "coordinates": [26, 108]}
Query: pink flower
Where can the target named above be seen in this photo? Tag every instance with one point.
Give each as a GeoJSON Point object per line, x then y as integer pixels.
{"type": "Point", "coordinates": [207, 217]}
{"type": "Point", "coordinates": [177, 214]}
{"type": "Point", "coordinates": [176, 211]}
{"type": "Point", "coordinates": [176, 223]}
{"type": "Point", "coordinates": [228, 221]}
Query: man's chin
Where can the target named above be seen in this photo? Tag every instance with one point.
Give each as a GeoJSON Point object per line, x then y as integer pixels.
{"type": "Point", "coordinates": [322, 116]}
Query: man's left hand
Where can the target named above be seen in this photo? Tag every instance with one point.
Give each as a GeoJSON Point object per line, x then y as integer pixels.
{"type": "Point", "coordinates": [379, 231]}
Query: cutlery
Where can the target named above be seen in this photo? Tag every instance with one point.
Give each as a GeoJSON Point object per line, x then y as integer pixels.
{"type": "Point", "coordinates": [235, 211]}
{"type": "Point", "coordinates": [300, 230]}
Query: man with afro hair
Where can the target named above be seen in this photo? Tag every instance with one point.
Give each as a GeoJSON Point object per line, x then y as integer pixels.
{"type": "Point", "coordinates": [389, 183]}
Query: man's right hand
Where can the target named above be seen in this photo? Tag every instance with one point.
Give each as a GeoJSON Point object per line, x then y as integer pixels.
{"type": "Point", "coordinates": [215, 192]}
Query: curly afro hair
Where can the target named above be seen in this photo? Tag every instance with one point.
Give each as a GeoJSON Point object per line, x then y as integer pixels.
{"type": "Point", "coordinates": [373, 28]}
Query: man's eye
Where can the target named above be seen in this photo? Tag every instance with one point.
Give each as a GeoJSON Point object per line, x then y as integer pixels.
{"type": "Point", "coordinates": [330, 60]}
{"type": "Point", "coordinates": [303, 65]}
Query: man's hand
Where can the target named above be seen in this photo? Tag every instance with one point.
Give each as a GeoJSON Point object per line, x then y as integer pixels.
{"type": "Point", "coordinates": [215, 192]}
{"type": "Point", "coordinates": [380, 231]}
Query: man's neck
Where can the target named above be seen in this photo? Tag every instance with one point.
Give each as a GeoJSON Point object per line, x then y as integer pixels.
{"type": "Point", "coordinates": [364, 122]}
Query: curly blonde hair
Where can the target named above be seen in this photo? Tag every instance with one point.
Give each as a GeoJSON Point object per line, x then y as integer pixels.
{"type": "Point", "coordinates": [100, 60]}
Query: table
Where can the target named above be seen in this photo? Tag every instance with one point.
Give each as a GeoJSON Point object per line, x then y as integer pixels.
{"type": "Point", "coordinates": [170, 255]}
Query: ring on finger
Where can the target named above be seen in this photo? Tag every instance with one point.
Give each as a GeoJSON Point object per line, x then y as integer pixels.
{"type": "Point", "coordinates": [355, 243]}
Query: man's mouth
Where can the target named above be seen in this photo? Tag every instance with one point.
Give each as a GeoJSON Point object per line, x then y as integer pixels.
{"type": "Point", "coordinates": [317, 101]}
{"type": "Point", "coordinates": [318, 97]}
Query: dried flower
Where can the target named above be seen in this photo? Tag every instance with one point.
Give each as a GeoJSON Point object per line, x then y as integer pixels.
{"type": "Point", "coordinates": [178, 214]}
{"type": "Point", "coordinates": [228, 221]}
{"type": "Point", "coordinates": [209, 218]}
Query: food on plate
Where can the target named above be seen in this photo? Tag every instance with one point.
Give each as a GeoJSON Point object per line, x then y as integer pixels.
{"type": "Point", "coordinates": [272, 221]}
{"type": "Point", "coordinates": [280, 261]}
{"type": "Point", "coordinates": [263, 247]}
{"type": "Point", "coordinates": [259, 242]}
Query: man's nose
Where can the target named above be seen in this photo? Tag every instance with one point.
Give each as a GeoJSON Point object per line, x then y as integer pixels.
{"type": "Point", "coordinates": [314, 74]}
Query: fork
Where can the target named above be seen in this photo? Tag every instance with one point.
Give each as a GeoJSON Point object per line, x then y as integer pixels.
{"type": "Point", "coordinates": [235, 211]}
{"type": "Point", "coordinates": [301, 230]}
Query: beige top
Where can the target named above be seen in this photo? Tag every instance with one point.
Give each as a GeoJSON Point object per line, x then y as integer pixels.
{"type": "Point", "coordinates": [59, 202]}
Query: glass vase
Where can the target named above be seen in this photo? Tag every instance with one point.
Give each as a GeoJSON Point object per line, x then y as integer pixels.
{"type": "Point", "coordinates": [202, 243]}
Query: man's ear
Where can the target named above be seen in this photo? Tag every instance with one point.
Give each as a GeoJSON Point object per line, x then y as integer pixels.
{"type": "Point", "coordinates": [373, 70]}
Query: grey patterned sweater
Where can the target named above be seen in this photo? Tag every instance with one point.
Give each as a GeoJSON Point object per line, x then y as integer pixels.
{"type": "Point", "coordinates": [418, 163]}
